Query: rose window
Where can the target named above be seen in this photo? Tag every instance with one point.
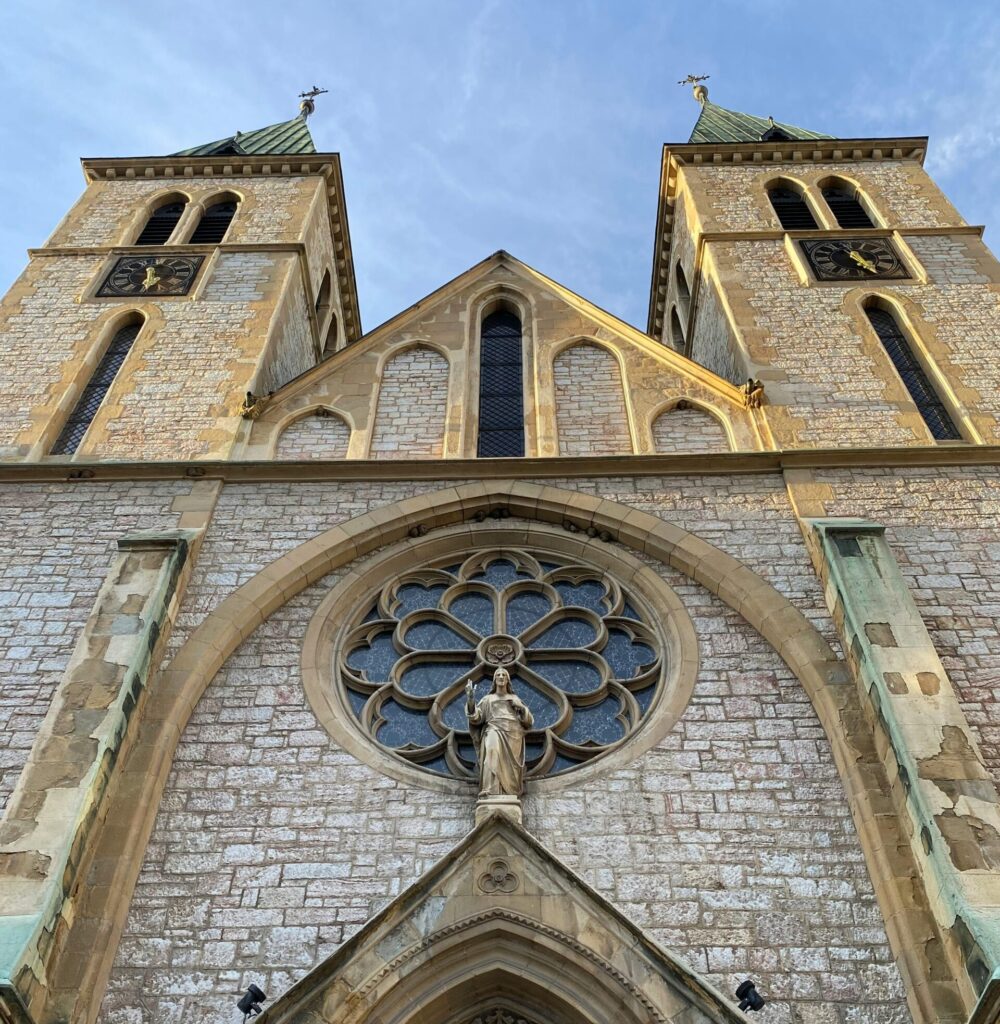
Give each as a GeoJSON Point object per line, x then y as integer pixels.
{"type": "Point", "coordinates": [576, 646]}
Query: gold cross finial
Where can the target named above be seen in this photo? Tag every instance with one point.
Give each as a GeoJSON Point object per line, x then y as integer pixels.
{"type": "Point", "coordinates": [700, 91]}
{"type": "Point", "coordinates": [308, 104]}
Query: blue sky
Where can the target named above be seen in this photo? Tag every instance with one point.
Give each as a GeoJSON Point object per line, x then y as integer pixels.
{"type": "Point", "coordinates": [468, 127]}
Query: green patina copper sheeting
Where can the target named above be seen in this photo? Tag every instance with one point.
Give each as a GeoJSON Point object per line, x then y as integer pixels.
{"type": "Point", "coordinates": [717, 124]}
{"type": "Point", "coordinates": [287, 137]}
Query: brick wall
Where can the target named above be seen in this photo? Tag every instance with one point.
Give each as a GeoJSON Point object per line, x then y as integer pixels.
{"type": "Point", "coordinates": [689, 430]}
{"type": "Point", "coordinates": [590, 403]}
{"type": "Point", "coordinates": [314, 437]}
{"type": "Point", "coordinates": [412, 403]}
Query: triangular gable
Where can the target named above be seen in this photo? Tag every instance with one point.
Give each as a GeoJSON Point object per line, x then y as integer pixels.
{"type": "Point", "coordinates": [667, 357]}
{"type": "Point", "coordinates": [501, 921]}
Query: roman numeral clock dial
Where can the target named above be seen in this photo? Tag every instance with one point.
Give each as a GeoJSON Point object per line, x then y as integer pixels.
{"type": "Point", "coordinates": [151, 275]}
{"type": "Point", "coordinates": [853, 259]}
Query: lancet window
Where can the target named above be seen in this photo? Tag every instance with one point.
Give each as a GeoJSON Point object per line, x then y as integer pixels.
{"type": "Point", "coordinates": [161, 224]}
{"type": "Point", "coordinates": [791, 208]}
{"type": "Point", "coordinates": [214, 223]}
{"type": "Point", "coordinates": [577, 646]}
{"type": "Point", "coordinates": [845, 206]}
{"type": "Point", "coordinates": [501, 401]}
{"type": "Point", "coordinates": [97, 387]}
{"type": "Point", "coordinates": [899, 350]}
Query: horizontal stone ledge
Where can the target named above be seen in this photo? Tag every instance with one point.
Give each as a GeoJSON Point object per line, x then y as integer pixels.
{"type": "Point", "coordinates": [693, 464]}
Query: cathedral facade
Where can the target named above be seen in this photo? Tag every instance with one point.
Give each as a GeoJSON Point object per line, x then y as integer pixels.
{"type": "Point", "coordinates": [262, 572]}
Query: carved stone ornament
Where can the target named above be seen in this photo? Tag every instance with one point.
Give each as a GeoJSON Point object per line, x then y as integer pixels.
{"type": "Point", "coordinates": [500, 1016]}
{"type": "Point", "coordinates": [499, 878]}
{"type": "Point", "coordinates": [136, 276]}
{"type": "Point", "coordinates": [500, 651]}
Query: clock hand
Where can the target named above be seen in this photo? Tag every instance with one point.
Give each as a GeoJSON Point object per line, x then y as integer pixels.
{"type": "Point", "coordinates": [861, 261]}
{"type": "Point", "coordinates": [150, 279]}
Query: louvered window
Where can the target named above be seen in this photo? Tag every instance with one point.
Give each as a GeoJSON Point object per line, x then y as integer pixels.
{"type": "Point", "coordinates": [935, 415]}
{"type": "Point", "coordinates": [792, 210]}
{"type": "Point", "coordinates": [501, 401]}
{"type": "Point", "coordinates": [161, 224]}
{"type": "Point", "coordinates": [214, 224]}
{"type": "Point", "coordinates": [93, 394]}
{"type": "Point", "coordinates": [845, 207]}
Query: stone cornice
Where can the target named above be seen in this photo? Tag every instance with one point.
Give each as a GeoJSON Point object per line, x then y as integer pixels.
{"type": "Point", "coordinates": [186, 168]}
{"type": "Point", "coordinates": [794, 151]}
{"type": "Point", "coordinates": [700, 464]}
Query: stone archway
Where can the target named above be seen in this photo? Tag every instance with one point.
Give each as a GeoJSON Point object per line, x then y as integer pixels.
{"type": "Point", "coordinates": [78, 977]}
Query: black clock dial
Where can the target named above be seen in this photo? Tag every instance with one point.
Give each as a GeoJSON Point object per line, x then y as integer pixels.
{"type": "Point", "coordinates": [151, 275]}
{"type": "Point", "coordinates": [853, 259]}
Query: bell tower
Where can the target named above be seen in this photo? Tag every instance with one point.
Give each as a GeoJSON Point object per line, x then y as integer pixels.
{"type": "Point", "coordinates": [173, 287]}
{"type": "Point", "coordinates": [836, 273]}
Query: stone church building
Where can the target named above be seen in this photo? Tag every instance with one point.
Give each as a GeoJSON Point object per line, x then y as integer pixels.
{"type": "Point", "coordinates": [742, 567]}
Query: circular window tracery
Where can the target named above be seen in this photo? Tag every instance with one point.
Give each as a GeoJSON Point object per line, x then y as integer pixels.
{"type": "Point", "coordinates": [580, 652]}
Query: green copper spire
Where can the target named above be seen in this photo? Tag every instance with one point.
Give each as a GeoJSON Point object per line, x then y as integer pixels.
{"type": "Point", "coordinates": [717, 124]}
{"type": "Point", "coordinates": [287, 137]}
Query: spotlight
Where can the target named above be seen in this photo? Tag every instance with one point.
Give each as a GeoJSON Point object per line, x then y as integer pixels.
{"type": "Point", "coordinates": [249, 1004]}
{"type": "Point", "coordinates": [749, 997]}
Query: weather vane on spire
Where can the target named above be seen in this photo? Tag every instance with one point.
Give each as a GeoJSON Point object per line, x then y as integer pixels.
{"type": "Point", "coordinates": [700, 91]}
{"type": "Point", "coordinates": [308, 104]}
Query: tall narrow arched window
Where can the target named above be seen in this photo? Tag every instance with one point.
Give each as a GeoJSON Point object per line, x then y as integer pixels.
{"type": "Point", "coordinates": [676, 331]}
{"type": "Point", "coordinates": [97, 387]}
{"type": "Point", "coordinates": [161, 223]}
{"type": "Point", "coordinates": [897, 347]}
{"type": "Point", "coordinates": [501, 399]}
{"type": "Point", "coordinates": [845, 206]}
{"type": "Point", "coordinates": [792, 210]}
{"type": "Point", "coordinates": [214, 223]}
{"type": "Point", "coordinates": [683, 291]}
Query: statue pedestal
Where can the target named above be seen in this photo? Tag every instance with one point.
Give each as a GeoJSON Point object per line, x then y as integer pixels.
{"type": "Point", "coordinates": [508, 806]}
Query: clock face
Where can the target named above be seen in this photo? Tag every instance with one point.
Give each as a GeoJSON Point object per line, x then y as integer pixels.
{"type": "Point", "coordinates": [151, 275]}
{"type": "Point", "coordinates": [853, 259]}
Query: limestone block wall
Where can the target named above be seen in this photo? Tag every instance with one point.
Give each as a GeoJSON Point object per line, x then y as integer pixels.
{"type": "Point", "coordinates": [59, 543]}
{"type": "Point", "coordinates": [290, 348]}
{"type": "Point", "coordinates": [178, 393]}
{"type": "Point", "coordinates": [314, 437]}
{"type": "Point", "coordinates": [733, 197]}
{"type": "Point", "coordinates": [412, 405]}
{"type": "Point", "coordinates": [829, 380]}
{"type": "Point", "coordinates": [689, 430]}
{"type": "Point", "coordinates": [712, 343]}
{"type": "Point", "coordinates": [590, 403]}
{"type": "Point", "coordinates": [273, 846]}
{"type": "Point", "coordinates": [113, 212]}
{"type": "Point", "coordinates": [943, 528]}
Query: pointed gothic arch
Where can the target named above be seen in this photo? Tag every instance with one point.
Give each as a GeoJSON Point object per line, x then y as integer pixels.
{"type": "Point", "coordinates": [591, 409]}
{"type": "Point", "coordinates": [135, 789]}
{"type": "Point", "coordinates": [687, 426]}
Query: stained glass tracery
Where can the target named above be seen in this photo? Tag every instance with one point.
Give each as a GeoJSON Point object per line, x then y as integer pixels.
{"type": "Point", "coordinates": [580, 655]}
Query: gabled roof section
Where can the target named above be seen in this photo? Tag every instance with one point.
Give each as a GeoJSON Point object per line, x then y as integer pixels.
{"type": "Point", "coordinates": [286, 137]}
{"type": "Point", "coordinates": [718, 124]}
{"type": "Point", "coordinates": [500, 917]}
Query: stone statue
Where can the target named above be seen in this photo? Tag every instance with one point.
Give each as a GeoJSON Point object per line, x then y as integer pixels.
{"type": "Point", "coordinates": [498, 723]}
{"type": "Point", "coordinates": [753, 393]}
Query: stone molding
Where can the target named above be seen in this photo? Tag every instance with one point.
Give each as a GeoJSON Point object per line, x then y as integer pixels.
{"type": "Point", "coordinates": [61, 795]}
{"type": "Point", "coordinates": [58, 468]}
{"type": "Point", "coordinates": [930, 753]}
